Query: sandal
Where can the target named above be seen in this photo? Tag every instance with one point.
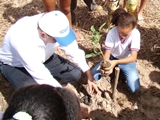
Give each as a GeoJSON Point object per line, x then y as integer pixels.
{"type": "Point", "coordinates": [156, 49]}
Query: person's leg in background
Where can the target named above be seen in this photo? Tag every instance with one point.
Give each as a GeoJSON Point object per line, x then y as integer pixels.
{"type": "Point", "coordinates": [18, 77]}
{"type": "Point", "coordinates": [49, 5]}
{"type": "Point", "coordinates": [74, 20]}
{"type": "Point", "coordinates": [63, 69]}
{"type": "Point", "coordinates": [131, 75]}
{"type": "Point", "coordinates": [91, 4]}
{"type": "Point", "coordinates": [141, 8]}
{"type": "Point", "coordinates": [73, 15]}
{"type": "Point", "coordinates": [124, 5]}
{"type": "Point", "coordinates": [65, 7]}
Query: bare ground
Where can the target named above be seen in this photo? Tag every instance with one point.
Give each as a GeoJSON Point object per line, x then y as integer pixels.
{"type": "Point", "coordinates": [141, 106]}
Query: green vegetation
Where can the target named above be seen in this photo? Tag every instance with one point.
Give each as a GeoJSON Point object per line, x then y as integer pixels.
{"type": "Point", "coordinates": [96, 36]}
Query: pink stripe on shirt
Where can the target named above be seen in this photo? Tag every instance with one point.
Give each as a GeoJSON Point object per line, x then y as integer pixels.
{"type": "Point", "coordinates": [108, 48]}
{"type": "Point", "coordinates": [134, 49]}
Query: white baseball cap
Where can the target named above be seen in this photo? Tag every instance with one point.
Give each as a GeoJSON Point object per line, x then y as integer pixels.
{"type": "Point", "coordinates": [56, 24]}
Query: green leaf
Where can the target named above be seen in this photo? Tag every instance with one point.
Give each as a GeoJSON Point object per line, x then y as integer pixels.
{"type": "Point", "coordinates": [98, 53]}
{"type": "Point", "coordinates": [95, 51]}
{"type": "Point", "coordinates": [90, 55]}
{"type": "Point", "coordinates": [93, 29]}
{"type": "Point", "coordinates": [92, 39]}
{"type": "Point", "coordinates": [96, 38]}
{"type": "Point", "coordinates": [101, 27]}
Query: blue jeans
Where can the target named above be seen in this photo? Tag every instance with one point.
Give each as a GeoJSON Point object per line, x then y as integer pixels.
{"type": "Point", "coordinates": [60, 68]}
{"type": "Point", "coordinates": [130, 73]}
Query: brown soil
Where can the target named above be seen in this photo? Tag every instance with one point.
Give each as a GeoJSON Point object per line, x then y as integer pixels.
{"type": "Point", "coordinates": [141, 106]}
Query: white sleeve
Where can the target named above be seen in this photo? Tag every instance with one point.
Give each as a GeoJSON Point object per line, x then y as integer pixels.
{"type": "Point", "coordinates": [109, 39]}
{"type": "Point", "coordinates": [76, 55]}
{"type": "Point", "coordinates": [135, 44]}
{"type": "Point", "coordinates": [30, 61]}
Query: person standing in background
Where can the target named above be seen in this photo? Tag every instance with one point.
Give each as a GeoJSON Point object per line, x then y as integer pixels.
{"type": "Point", "coordinates": [133, 4]}
{"type": "Point", "coordinates": [68, 7]}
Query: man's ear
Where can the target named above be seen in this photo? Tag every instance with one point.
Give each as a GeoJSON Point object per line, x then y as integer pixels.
{"type": "Point", "coordinates": [42, 34]}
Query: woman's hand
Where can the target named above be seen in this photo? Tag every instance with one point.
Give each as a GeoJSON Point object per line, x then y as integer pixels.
{"type": "Point", "coordinates": [109, 70]}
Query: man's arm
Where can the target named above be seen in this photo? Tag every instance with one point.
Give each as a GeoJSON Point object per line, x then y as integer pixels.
{"type": "Point", "coordinates": [91, 83]}
{"type": "Point", "coordinates": [78, 57]}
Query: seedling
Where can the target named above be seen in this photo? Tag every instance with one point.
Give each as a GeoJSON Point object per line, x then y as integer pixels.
{"type": "Point", "coordinates": [96, 36]}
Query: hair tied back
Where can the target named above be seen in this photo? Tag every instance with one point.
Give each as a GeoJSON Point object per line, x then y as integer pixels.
{"type": "Point", "coordinates": [22, 116]}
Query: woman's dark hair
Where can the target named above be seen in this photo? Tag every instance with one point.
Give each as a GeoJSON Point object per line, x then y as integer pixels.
{"type": "Point", "coordinates": [44, 102]}
{"type": "Point", "coordinates": [123, 18]}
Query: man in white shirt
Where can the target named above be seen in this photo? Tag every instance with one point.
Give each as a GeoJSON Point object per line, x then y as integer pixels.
{"type": "Point", "coordinates": [27, 52]}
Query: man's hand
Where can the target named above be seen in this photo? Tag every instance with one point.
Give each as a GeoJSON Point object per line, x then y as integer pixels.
{"type": "Point", "coordinates": [85, 112]}
{"type": "Point", "coordinates": [92, 87]}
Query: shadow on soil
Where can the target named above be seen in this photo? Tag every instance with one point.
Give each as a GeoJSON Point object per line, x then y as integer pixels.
{"type": "Point", "coordinates": [5, 88]}
{"type": "Point", "coordinates": [155, 76]}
